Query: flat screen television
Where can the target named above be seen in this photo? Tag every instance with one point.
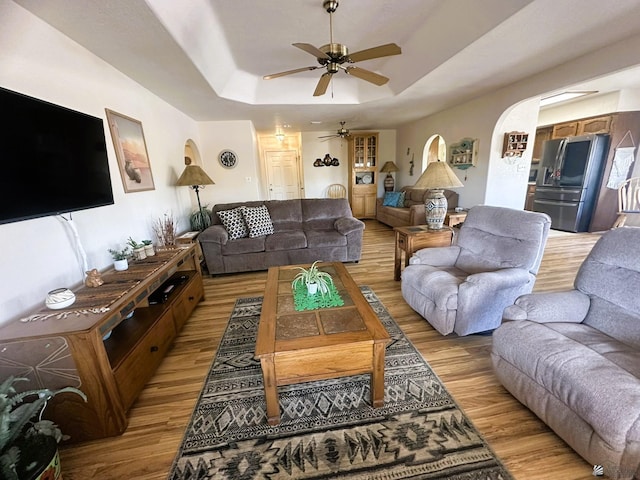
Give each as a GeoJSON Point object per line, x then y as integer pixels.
{"type": "Point", "coordinates": [53, 160]}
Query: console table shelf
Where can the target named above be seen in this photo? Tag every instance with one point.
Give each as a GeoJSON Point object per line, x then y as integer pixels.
{"type": "Point", "coordinates": [108, 343]}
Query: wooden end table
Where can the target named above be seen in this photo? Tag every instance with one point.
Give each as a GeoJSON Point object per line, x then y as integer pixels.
{"type": "Point", "coordinates": [413, 238]}
{"type": "Point", "coordinates": [302, 346]}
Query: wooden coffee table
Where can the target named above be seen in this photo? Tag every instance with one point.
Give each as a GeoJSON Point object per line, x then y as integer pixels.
{"type": "Point", "coordinates": [302, 346]}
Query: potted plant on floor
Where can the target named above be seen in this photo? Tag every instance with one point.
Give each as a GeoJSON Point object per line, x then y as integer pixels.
{"type": "Point", "coordinates": [28, 444]}
{"type": "Point", "coordinates": [314, 279]}
{"type": "Point", "coordinates": [200, 219]}
{"type": "Point", "coordinates": [120, 261]}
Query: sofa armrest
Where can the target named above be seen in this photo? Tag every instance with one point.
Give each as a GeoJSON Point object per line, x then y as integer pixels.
{"type": "Point", "coordinates": [347, 225]}
{"type": "Point", "coordinates": [570, 306]}
{"type": "Point", "coordinates": [417, 214]}
{"type": "Point", "coordinates": [436, 256]}
{"type": "Point", "coordinates": [215, 234]}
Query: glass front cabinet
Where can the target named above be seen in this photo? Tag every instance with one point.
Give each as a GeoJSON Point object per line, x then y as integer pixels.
{"type": "Point", "coordinates": [363, 174]}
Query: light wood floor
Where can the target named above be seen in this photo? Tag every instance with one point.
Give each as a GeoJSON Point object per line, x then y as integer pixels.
{"type": "Point", "coordinates": [159, 417]}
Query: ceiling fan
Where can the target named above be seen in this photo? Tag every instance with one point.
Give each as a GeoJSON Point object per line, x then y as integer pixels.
{"type": "Point", "coordinates": [333, 56]}
{"type": "Point", "coordinates": [342, 133]}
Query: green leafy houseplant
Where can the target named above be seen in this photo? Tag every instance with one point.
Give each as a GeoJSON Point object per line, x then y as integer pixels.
{"type": "Point", "coordinates": [313, 275]}
{"type": "Point", "coordinates": [200, 219]}
{"type": "Point", "coordinates": [21, 423]}
{"type": "Point", "coordinates": [133, 243]}
{"type": "Point", "coordinates": [119, 254]}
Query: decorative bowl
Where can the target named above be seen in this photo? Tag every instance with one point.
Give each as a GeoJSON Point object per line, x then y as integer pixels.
{"type": "Point", "coordinates": [59, 298]}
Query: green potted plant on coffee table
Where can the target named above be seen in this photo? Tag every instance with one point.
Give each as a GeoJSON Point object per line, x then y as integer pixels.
{"type": "Point", "coordinates": [315, 279]}
{"type": "Point", "coordinates": [28, 444]}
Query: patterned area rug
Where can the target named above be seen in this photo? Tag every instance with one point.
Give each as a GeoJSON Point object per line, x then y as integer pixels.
{"type": "Point", "coordinates": [328, 429]}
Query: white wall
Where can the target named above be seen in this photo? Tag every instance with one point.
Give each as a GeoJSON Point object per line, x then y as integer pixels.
{"type": "Point", "coordinates": [244, 181]}
{"type": "Point", "coordinates": [37, 255]}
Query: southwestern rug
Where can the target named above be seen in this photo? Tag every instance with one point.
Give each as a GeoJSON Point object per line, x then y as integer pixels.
{"type": "Point", "coordinates": [328, 429]}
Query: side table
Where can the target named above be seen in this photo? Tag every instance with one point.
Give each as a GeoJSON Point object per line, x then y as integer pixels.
{"type": "Point", "coordinates": [453, 218]}
{"type": "Point", "coordinates": [412, 239]}
{"type": "Point", "coordinates": [191, 237]}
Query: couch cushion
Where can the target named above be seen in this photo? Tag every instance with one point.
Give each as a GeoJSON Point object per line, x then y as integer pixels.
{"type": "Point", "coordinates": [321, 213]}
{"type": "Point", "coordinates": [234, 223]}
{"type": "Point", "coordinates": [258, 221]}
{"type": "Point", "coordinates": [325, 238]}
{"type": "Point", "coordinates": [286, 240]}
{"type": "Point", "coordinates": [244, 245]}
{"type": "Point", "coordinates": [285, 211]}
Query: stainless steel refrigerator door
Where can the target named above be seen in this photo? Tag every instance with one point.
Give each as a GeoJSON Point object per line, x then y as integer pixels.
{"type": "Point", "coordinates": [564, 215]}
{"type": "Point", "coordinates": [559, 194]}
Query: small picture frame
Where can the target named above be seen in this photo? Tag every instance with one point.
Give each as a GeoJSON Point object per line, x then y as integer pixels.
{"type": "Point", "coordinates": [131, 152]}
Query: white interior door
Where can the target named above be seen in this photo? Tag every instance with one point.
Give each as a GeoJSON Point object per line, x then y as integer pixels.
{"type": "Point", "coordinates": [283, 174]}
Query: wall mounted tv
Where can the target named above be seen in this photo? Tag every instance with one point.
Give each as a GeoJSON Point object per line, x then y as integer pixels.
{"type": "Point", "coordinates": [52, 160]}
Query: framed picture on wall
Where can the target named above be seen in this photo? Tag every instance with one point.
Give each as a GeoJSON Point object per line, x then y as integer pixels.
{"type": "Point", "coordinates": [131, 152]}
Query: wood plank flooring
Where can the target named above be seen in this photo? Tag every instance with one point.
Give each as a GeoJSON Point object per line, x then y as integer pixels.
{"type": "Point", "coordinates": [159, 417]}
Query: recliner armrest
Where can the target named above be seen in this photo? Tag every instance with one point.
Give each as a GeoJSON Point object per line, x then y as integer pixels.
{"type": "Point", "coordinates": [500, 279]}
{"type": "Point", "coordinates": [347, 225]}
{"type": "Point", "coordinates": [570, 306]}
{"type": "Point", "coordinates": [436, 256]}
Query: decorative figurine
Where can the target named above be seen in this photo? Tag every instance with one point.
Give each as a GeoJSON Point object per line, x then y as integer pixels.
{"type": "Point", "coordinates": [94, 279]}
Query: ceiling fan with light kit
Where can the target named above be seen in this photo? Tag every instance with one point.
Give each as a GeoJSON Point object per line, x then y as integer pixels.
{"type": "Point", "coordinates": [341, 133]}
{"type": "Point", "coordinates": [334, 56]}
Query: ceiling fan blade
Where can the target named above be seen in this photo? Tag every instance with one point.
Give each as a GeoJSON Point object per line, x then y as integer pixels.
{"type": "Point", "coordinates": [367, 75]}
{"type": "Point", "coordinates": [329, 136]}
{"type": "Point", "coordinates": [323, 83]}
{"type": "Point", "coordinates": [375, 52]}
{"type": "Point", "coordinates": [289, 72]}
{"type": "Point", "coordinates": [316, 52]}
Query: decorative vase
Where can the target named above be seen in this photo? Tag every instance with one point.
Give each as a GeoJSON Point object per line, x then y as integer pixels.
{"type": "Point", "coordinates": [312, 288]}
{"type": "Point", "coordinates": [436, 209]}
{"type": "Point", "coordinates": [139, 254]}
{"type": "Point", "coordinates": [149, 250]}
{"type": "Point", "coordinates": [388, 183]}
{"type": "Point", "coordinates": [121, 265]}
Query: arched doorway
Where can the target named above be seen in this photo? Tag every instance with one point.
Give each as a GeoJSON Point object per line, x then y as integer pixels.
{"type": "Point", "coordinates": [435, 149]}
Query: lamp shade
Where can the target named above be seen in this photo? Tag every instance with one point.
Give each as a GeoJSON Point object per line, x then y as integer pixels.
{"type": "Point", "coordinates": [389, 167]}
{"type": "Point", "coordinates": [194, 175]}
{"type": "Point", "coordinates": [438, 175]}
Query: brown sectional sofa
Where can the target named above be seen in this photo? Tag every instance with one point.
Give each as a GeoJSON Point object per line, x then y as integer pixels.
{"type": "Point", "coordinates": [305, 230]}
{"type": "Point", "coordinates": [413, 212]}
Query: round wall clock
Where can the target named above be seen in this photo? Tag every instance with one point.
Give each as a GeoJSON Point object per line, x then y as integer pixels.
{"type": "Point", "coordinates": [228, 158]}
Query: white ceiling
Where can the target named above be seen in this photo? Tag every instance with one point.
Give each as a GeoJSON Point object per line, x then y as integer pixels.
{"type": "Point", "coordinates": [207, 57]}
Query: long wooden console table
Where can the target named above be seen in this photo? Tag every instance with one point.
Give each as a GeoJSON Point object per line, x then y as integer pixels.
{"type": "Point", "coordinates": [108, 343]}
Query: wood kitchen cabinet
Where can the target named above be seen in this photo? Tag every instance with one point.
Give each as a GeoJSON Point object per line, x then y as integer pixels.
{"type": "Point", "coordinates": [595, 125]}
{"type": "Point", "coordinates": [108, 344]}
{"type": "Point", "coordinates": [542, 135]}
{"type": "Point", "coordinates": [363, 174]}
{"type": "Point", "coordinates": [562, 130]}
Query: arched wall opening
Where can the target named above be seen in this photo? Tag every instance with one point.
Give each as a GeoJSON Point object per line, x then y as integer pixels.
{"type": "Point", "coordinates": [435, 148]}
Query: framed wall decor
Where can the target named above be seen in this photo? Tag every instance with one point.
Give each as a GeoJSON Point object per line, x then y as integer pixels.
{"type": "Point", "coordinates": [131, 152]}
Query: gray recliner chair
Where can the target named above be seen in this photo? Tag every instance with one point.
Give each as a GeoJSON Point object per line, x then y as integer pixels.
{"type": "Point", "coordinates": [573, 357]}
{"type": "Point", "coordinates": [465, 288]}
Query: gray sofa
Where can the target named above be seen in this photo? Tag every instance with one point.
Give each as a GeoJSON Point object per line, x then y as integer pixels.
{"type": "Point", "coordinates": [573, 357]}
{"type": "Point", "coordinates": [304, 230]}
{"type": "Point", "coordinates": [413, 211]}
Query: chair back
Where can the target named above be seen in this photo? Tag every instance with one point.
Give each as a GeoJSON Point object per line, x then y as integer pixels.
{"type": "Point", "coordinates": [493, 238]}
{"type": "Point", "coordinates": [629, 196]}
{"type": "Point", "coordinates": [336, 190]}
{"type": "Point", "coordinates": [610, 275]}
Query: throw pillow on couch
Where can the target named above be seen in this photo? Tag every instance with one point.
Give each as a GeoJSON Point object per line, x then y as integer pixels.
{"type": "Point", "coordinates": [393, 199]}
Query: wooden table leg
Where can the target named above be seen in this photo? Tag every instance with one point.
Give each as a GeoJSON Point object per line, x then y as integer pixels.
{"type": "Point", "coordinates": [397, 259]}
{"type": "Point", "coordinates": [270, 390]}
{"type": "Point", "coordinates": [377, 375]}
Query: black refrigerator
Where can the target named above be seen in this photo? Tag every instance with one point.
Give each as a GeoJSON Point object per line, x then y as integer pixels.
{"type": "Point", "coordinates": [569, 180]}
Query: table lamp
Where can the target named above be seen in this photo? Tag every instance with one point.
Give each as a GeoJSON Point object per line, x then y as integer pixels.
{"type": "Point", "coordinates": [195, 177]}
{"type": "Point", "coordinates": [436, 177]}
{"type": "Point", "coordinates": [387, 168]}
